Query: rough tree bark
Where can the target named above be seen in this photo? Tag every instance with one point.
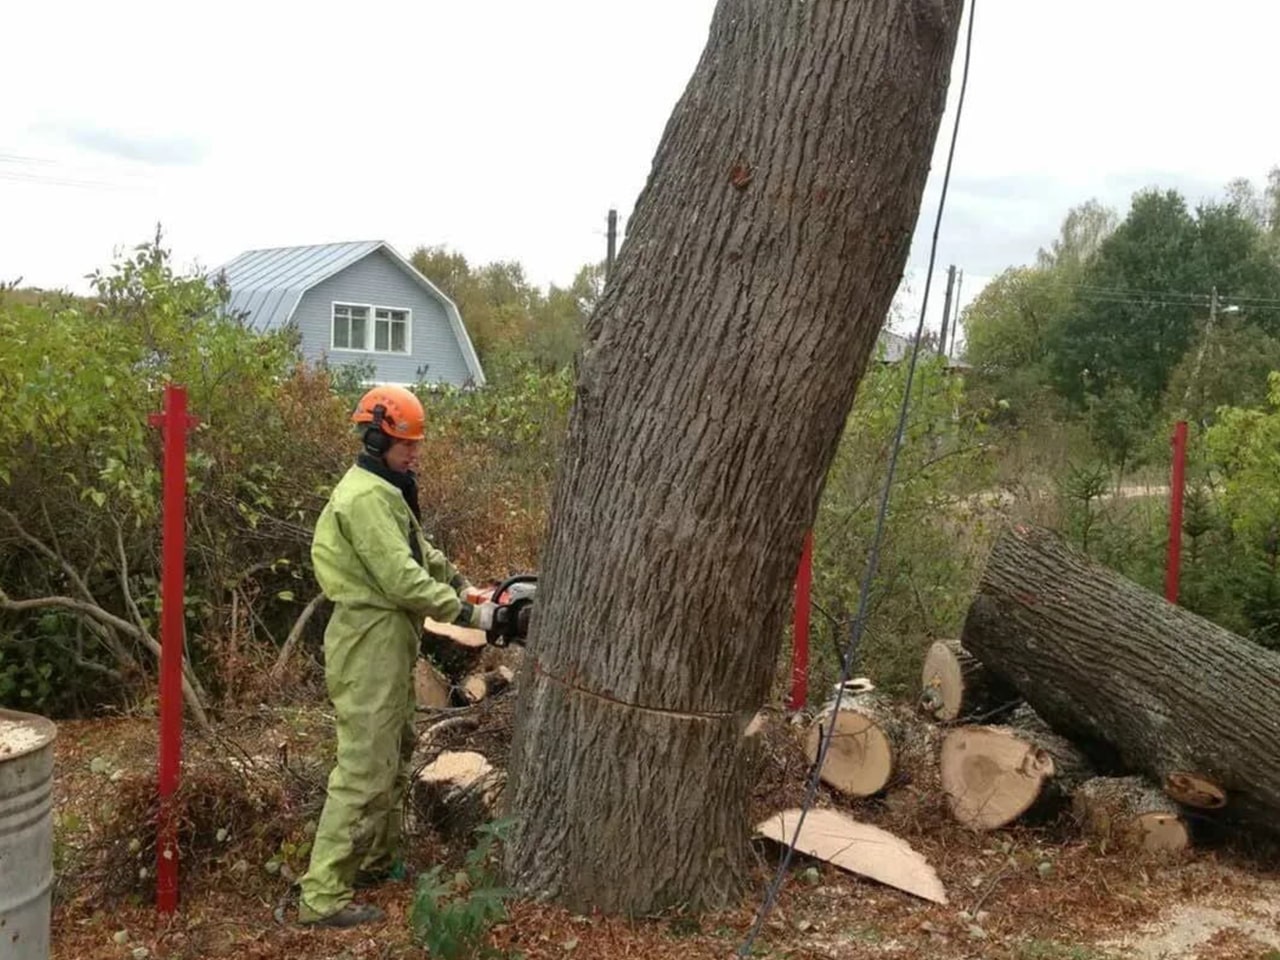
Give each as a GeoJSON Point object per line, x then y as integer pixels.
{"type": "Point", "coordinates": [716, 374]}
{"type": "Point", "coordinates": [1193, 706]}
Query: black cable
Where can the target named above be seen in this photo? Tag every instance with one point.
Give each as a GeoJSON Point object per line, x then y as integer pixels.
{"type": "Point", "coordinates": [873, 558]}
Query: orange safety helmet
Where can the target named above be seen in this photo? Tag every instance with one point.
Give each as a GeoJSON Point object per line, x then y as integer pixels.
{"type": "Point", "coordinates": [393, 410]}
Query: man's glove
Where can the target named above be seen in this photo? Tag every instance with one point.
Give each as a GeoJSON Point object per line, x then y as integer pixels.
{"type": "Point", "coordinates": [478, 616]}
{"type": "Point", "coordinates": [500, 623]}
{"type": "Point", "coordinates": [484, 616]}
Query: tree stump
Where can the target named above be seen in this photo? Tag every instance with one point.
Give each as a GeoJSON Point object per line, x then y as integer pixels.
{"type": "Point", "coordinates": [457, 792]}
{"type": "Point", "coordinates": [955, 685]}
{"type": "Point", "coordinates": [1131, 813]}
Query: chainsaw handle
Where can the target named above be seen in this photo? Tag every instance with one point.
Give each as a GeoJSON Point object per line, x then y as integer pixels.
{"type": "Point", "coordinates": [516, 608]}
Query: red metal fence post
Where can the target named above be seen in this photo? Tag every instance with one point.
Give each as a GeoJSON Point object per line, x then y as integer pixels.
{"type": "Point", "coordinates": [800, 633]}
{"type": "Point", "coordinates": [174, 423]}
{"type": "Point", "coordinates": [1174, 565]}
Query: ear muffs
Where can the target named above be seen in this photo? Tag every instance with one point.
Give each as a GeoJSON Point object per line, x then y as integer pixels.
{"type": "Point", "coordinates": [376, 442]}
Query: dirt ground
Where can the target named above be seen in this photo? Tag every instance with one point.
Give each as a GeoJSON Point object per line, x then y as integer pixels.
{"type": "Point", "coordinates": [1024, 894]}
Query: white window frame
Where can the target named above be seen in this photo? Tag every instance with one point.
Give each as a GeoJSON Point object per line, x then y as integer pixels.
{"type": "Point", "coordinates": [408, 331]}
{"type": "Point", "coordinates": [371, 327]}
{"type": "Point", "coordinates": [333, 322]}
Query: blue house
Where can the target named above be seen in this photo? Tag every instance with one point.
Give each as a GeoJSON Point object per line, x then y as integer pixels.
{"type": "Point", "coordinates": [353, 303]}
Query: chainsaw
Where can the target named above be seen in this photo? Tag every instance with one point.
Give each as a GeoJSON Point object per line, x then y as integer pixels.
{"type": "Point", "coordinates": [514, 599]}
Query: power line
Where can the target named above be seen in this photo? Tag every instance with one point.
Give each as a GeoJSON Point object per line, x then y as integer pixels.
{"type": "Point", "coordinates": [18, 158]}
{"type": "Point", "coordinates": [1139, 296]}
{"type": "Point", "coordinates": [1182, 304]}
{"type": "Point", "coordinates": [873, 557]}
{"type": "Point", "coordinates": [18, 176]}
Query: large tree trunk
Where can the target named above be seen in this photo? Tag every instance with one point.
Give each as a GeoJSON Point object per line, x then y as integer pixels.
{"type": "Point", "coordinates": [715, 379]}
{"type": "Point", "coordinates": [1194, 707]}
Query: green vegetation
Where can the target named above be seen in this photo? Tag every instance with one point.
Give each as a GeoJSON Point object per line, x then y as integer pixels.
{"type": "Point", "coordinates": [451, 915]}
{"type": "Point", "coordinates": [80, 480]}
{"type": "Point", "coordinates": [1078, 365]}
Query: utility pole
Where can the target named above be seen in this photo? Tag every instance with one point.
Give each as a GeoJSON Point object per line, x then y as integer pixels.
{"type": "Point", "coordinates": [1194, 380]}
{"type": "Point", "coordinates": [955, 318]}
{"type": "Point", "coordinates": [612, 243]}
{"type": "Point", "coordinates": [946, 310]}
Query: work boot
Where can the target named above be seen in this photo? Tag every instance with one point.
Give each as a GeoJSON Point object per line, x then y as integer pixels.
{"type": "Point", "coordinates": [352, 915]}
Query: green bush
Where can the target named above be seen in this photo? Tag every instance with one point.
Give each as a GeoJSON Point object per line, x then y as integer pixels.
{"type": "Point", "coordinates": [934, 539]}
{"type": "Point", "coordinates": [80, 484]}
{"type": "Point", "coordinates": [451, 916]}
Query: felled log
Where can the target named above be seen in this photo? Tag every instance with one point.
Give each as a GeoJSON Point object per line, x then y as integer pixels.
{"type": "Point", "coordinates": [993, 775]}
{"type": "Point", "coordinates": [490, 683]}
{"type": "Point", "coordinates": [860, 759]}
{"type": "Point", "coordinates": [874, 745]}
{"type": "Point", "coordinates": [1193, 706]}
{"type": "Point", "coordinates": [954, 685]}
{"type": "Point", "coordinates": [431, 688]}
{"type": "Point", "coordinates": [1130, 812]}
{"type": "Point", "coordinates": [457, 792]}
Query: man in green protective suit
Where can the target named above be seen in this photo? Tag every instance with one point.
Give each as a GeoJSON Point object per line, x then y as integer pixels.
{"type": "Point", "coordinates": [373, 561]}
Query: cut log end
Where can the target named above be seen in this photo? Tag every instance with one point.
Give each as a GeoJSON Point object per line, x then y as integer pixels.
{"type": "Point", "coordinates": [1193, 790]}
{"type": "Point", "coordinates": [942, 683]}
{"type": "Point", "coordinates": [990, 776]}
{"type": "Point", "coordinates": [955, 685]}
{"type": "Point", "coordinates": [1162, 833]}
{"type": "Point", "coordinates": [859, 761]}
{"type": "Point", "coordinates": [1132, 813]}
{"type": "Point", "coordinates": [463, 636]}
{"type": "Point", "coordinates": [480, 686]}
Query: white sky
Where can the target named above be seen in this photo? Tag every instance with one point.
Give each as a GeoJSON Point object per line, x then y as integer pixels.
{"type": "Point", "coordinates": [505, 129]}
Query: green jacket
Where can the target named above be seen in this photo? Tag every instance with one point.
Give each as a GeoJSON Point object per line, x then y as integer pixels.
{"type": "Point", "coordinates": [361, 554]}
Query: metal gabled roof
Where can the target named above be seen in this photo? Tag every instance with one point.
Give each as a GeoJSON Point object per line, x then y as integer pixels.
{"type": "Point", "coordinates": [267, 284]}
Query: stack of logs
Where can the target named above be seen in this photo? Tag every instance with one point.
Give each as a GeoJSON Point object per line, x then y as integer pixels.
{"type": "Point", "coordinates": [1072, 688]}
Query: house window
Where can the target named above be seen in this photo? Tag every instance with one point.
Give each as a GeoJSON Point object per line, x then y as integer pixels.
{"type": "Point", "coordinates": [391, 330]}
{"type": "Point", "coordinates": [350, 327]}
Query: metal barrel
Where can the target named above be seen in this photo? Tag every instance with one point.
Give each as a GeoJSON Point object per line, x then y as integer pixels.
{"type": "Point", "coordinates": [26, 834]}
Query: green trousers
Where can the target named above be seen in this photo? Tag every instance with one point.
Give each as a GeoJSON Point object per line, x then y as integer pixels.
{"type": "Point", "coordinates": [369, 657]}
